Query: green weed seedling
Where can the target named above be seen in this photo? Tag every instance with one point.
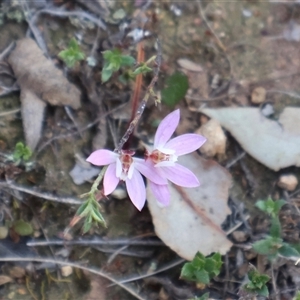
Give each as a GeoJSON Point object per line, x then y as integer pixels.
{"type": "Point", "coordinates": [202, 269]}
{"type": "Point", "coordinates": [72, 54]}
{"type": "Point", "coordinates": [113, 61]}
{"type": "Point", "coordinates": [257, 283]}
{"type": "Point", "coordinates": [273, 245]}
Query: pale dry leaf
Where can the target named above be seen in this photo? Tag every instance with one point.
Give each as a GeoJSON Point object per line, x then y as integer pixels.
{"type": "Point", "coordinates": [98, 289]}
{"type": "Point", "coordinates": [5, 279]}
{"type": "Point", "coordinates": [32, 110]}
{"type": "Point", "coordinates": [39, 81]}
{"type": "Point", "coordinates": [189, 65]}
{"type": "Point", "coordinates": [274, 143]}
{"type": "Point", "coordinates": [192, 221]}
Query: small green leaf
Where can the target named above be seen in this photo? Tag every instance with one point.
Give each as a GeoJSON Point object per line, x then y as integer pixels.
{"type": "Point", "coordinates": [275, 230]}
{"type": "Point", "coordinates": [22, 228]}
{"type": "Point", "coordinates": [268, 246]}
{"type": "Point", "coordinates": [287, 250]}
{"type": "Point", "coordinates": [187, 271]}
{"type": "Point", "coordinates": [175, 90]}
{"type": "Point", "coordinates": [127, 61]}
{"type": "Point", "coordinates": [263, 291]}
{"type": "Point", "coordinates": [106, 74]}
{"type": "Point", "coordinates": [202, 276]}
{"type": "Point", "coordinates": [142, 70]}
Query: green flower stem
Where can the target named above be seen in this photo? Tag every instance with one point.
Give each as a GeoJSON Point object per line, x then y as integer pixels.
{"type": "Point", "coordinates": [94, 187]}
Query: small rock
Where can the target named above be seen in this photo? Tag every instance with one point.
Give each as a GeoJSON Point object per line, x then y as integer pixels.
{"type": "Point", "coordinates": [3, 232]}
{"type": "Point", "coordinates": [240, 236]}
{"type": "Point", "coordinates": [17, 272]}
{"type": "Point", "coordinates": [119, 193]}
{"type": "Point", "coordinates": [288, 182]}
{"type": "Point", "coordinates": [258, 95]}
{"type": "Point", "coordinates": [216, 139]}
{"type": "Point", "coordinates": [66, 271]}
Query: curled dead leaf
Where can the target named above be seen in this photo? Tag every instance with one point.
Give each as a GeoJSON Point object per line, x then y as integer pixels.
{"type": "Point", "coordinates": [40, 83]}
{"type": "Point", "coordinates": [191, 222]}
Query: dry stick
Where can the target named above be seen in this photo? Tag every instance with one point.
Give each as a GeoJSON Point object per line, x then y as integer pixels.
{"type": "Point", "coordinates": [64, 14]}
{"type": "Point", "coordinates": [173, 264]}
{"type": "Point", "coordinates": [274, 283]}
{"type": "Point", "coordinates": [7, 50]}
{"type": "Point", "coordinates": [47, 196]}
{"type": "Point", "coordinates": [75, 265]}
{"type": "Point", "coordinates": [142, 106]}
{"type": "Point", "coordinates": [95, 242]}
{"type": "Point", "coordinates": [64, 136]}
{"type": "Point", "coordinates": [10, 112]}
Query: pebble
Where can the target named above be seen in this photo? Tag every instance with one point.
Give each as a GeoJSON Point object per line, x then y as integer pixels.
{"type": "Point", "coordinates": [288, 182]}
{"type": "Point", "coordinates": [216, 139]}
{"type": "Point", "coordinates": [258, 95]}
{"type": "Point", "coordinates": [66, 271]}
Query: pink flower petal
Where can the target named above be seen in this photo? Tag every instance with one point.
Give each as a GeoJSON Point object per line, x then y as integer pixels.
{"type": "Point", "coordinates": [149, 171]}
{"type": "Point", "coordinates": [161, 193]}
{"type": "Point", "coordinates": [180, 175]}
{"type": "Point", "coordinates": [136, 190]}
{"type": "Point", "coordinates": [186, 143]}
{"type": "Point", "coordinates": [166, 128]}
{"type": "Point", "coordinates": [102, 157]}
{"type": "Point", "coordinates": [110, 181]}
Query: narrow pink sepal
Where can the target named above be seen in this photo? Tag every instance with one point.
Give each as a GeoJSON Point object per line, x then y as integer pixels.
{"type": "Point", "coordinates": [146, 167]}
{"type": "Point", "coordinates": [186, 143]}
{"type": "Point", "coordinates": [180, 175]}
{"type": "Point", "coordinates": [102, 157]}
{"type": "Point", "coordinates": [110, 181]}
{"type": "Point", "coordinates": [136, 190]}
{"type": "Point", "coordinates": [161, 193]}
{"type": "Point", "coordinates": [166, 128]}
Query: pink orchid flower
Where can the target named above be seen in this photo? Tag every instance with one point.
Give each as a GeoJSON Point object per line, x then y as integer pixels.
{"type": "Point", "coordinates": [122, 166]}
{"type": "Point", "coordinates": [165, 155]}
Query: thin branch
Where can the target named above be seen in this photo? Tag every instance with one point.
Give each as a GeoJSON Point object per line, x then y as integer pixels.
{"type": "Point", "coordinates": [96, 242]}
{"type": "Point", "coordinates": [162, 269]}
{"type": "Point", "coordinates": [46, 196]}
{"type": "Point", "coordinates": [143, 103]}
{"type": "Point", "coordinates": [75, 265]}
{"type": "Point", "coordinates": [65, 14]}
{"type": "Point", "coordinates": [10, 112]}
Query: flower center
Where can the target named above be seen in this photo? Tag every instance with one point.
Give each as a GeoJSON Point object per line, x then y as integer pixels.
{"type": "Point", "coordinates": [161, 158]}
{"type": "Point", "coordinates": [125, 165]}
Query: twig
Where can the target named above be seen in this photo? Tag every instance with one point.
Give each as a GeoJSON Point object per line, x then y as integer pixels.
{"type": "Point", "coordinates": [88, 126]}
{"type": "Point", "coordinates": [10, 112]}
{"type": "Point", "coordinates": [234, 161]}
{"type": "Point", "coordinates": [47, 196]}
{"type": "Point", "coordinates": [75, 265]}
{"type": "Point", "coordinates": [96, 242]}
{"type": "Point", "coordinates": [274, 283]}
{"type": "Point", "coordinates": [162, 269]}
{"type": "Point", "coordinates": [64, 14]}
{"type": "Point", "coordinates": [7, 50]}
{"type": "Point", "coordinates": [143, 103]}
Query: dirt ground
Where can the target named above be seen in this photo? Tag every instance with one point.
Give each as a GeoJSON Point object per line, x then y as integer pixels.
{"type": "Point", "coordinates": [234, 54]}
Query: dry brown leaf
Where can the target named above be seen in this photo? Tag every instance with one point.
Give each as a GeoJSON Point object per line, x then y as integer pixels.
{"type": "Point", "coordinates": [40, 82]}
{"type": "Point", "coordinates": [192, 221]}
{"type": "Point", "coordinates": [274, 143]}
{"type": "Point", "coordinates": [5, 279]}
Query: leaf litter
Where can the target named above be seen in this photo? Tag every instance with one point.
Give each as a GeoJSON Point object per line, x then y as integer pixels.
{"type": "Point", "coordinates": [41, 83]}
{"type": "Point", "coordinates": [192, 221]}
{"type": "Point", "coordinates": [274, 143]}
